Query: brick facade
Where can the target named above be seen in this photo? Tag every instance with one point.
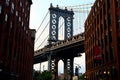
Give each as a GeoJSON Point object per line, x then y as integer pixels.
{"type": "Point", "coordinates": [102, 29]}
{"type": "Point", "coordinates": [16, 42]}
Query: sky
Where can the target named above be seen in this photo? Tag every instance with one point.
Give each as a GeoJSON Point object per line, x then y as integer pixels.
{"type": "Point", "coordinates": [39, 8]}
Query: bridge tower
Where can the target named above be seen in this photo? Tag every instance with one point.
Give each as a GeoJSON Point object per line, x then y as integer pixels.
{"type": "Point", "coordinates": [55, 14]}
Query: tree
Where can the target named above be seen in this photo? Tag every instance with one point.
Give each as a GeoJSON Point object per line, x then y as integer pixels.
{"type": "Point", "coordinates": [36, 75]}
{"type": "Point", "coordinates": [82, 77]}
{"type": "Point", "coordinates": [46, 75]}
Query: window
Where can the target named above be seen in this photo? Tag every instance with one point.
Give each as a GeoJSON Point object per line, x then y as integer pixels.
{"type": "Point", "coordinates": [101, 14]}
{"type": "Point", "coordinates": [19, 19]}
{"type": "Point", "coordinates": [118, 22]}
{"type": "Point", "coordinates": [10, 24]}
{"type": "Point", "coordinates": [0, 14]}
{"type": "Point", "coordinates": [98, 4]}
{"type": "Point", "coordinates": [109, 3]}
{"type": "Point", "coordinates": [24, 28]}
{"type": "Point", "coordinates": [119, 40]}
{"type": "Point", "coordinates": [109, 19]}
{"type": "Point", "coordinates": [23, 10]}
{"type": "Point", "coordinates": [16, 13]}
{"type": "Point", "coordinates": [4, 45]}
{"type": "Point", "coordinates": [12, 8]}
{"type": "Point", "coordinates": [102, 43]}
{"type": "Point", "coordinates": [104, 9]}
{"type": "Point", "coordinates": [110, 36]}
{"type": "Point", "coordinates": [0, 19]}
{"type": "Point", "coordinates": [11, 28]}
{"type": "Point", "coordinates": [105, 25]}
{"type": "Point", "coordinates": [0, 9]}
{"type": "Point", "coordinates": [101, 29]}
{"type": "Point", "coordinates": [6, 17]}
{"type": "Point", "coordinates": [95, 9]}
{"type": "Point", "coordinates": [106, 56]}
{"type": "Point", "coordinates": [26, 32]}
{"type": "Point", "coordinates": [20, 4]}
{"type": "Point", "coordinates": [93, 13]}
{"type": "Point", "coordinates": [22, 23]}
{"type": "Point", "coordinates": [111, 54]}
{"type": "Point", "coordinates": [26, 3]}
{"type": "Point", "coordinates": [25, 15]}
{"type": "Point", "coordinates": [99, 42]}
{"type": "Point", "coordinates": [27, 19]}
{"type": "Point", "coordinates": [98, 35]}
{"type": "Point", "coordinates": [28, 8]}
{"type": "Point", "coordinates": [103, 57]}
{"type": "Point", "coordinates": [97, 19]}
{"type": "Point", "coordinates": [106, 40]}
{"type": "Point", "coordinates": [7, 2]}
{"type": "Point", "coordinates": [7, 24]}
{"type": "Point", "coordinates": [117, 3]}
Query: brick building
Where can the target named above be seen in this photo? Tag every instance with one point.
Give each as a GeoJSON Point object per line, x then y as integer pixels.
{"type": "Point", "coordinates": [102, 41]}
{"type": "Point", "coordinates": [16, 40]}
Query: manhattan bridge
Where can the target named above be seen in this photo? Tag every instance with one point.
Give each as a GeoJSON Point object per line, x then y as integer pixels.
{"type": "Point", "coordinates": [60, 36]}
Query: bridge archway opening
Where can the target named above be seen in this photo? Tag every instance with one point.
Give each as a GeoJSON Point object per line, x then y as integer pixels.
{"type": "Point", "coordinates": [61, 28]}
{"type": "Point", "coordinates": [60, 67]}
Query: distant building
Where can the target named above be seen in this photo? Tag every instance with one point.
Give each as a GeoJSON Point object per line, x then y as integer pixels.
{"type": "Point", "coordinates": [102, 41]}
{"type": "Point", "coordinates": [16, 40]}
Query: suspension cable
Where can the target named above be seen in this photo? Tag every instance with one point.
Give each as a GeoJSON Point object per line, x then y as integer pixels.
{"type": "Point", "coordinates": [75, 8]}
{"type": "Point", "coordinates": [42, 42]}
{"type": "Point", "coordinates": [42, 21]}
{"type": "Point", "coordinates": [41, 32]}
{"type": "Point", "coordinates": [78, 5]}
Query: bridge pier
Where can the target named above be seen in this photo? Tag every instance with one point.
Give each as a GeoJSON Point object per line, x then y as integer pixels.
{"type": "Point", "coordinates": [68, 68]}
{"type": "Point", "coordinates": [53, 67]}
{"type": "Point", "coordinates": [56, 69]}
{"type": "Point", "coordinates": [65, 69]}
{"type": "Point", "coordinates": [71, 68]}
{"type": "Point", "coordinates": [49, 62]}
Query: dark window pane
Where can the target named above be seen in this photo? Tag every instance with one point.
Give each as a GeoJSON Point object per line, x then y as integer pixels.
{"type": "Point", "coordinates": [118, 22]}
{"type": "Point", "coordinates": [110, 36]}
{"type": "Point", "coordinates": [111, 54]}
